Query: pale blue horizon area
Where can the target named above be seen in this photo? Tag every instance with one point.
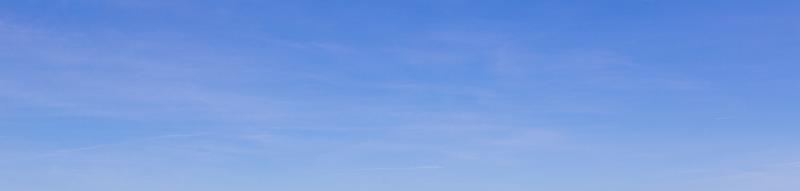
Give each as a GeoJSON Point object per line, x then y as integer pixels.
{"type": "Point", "coordinates": [450, 95]}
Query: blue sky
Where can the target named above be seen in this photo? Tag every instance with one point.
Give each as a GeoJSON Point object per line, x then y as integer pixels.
{"type": "Point", "coordinates": [181, 95]}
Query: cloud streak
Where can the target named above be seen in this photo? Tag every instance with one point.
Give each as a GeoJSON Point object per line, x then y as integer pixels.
{"type": "Point", "coordinates": [412, 168]}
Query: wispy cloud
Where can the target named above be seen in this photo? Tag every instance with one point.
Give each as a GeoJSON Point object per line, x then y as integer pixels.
{"type": "Point", "coordinates": [121, 143]}
{"type": "Point", "coordinates": [425, 167]}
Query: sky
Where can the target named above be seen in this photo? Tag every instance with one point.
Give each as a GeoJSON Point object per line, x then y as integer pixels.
{"type": "Point", "coordinates": [445, 95]}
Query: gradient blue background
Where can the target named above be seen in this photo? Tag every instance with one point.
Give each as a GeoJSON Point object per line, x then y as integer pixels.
{"type": "Point", "coordinates": [179, 95]}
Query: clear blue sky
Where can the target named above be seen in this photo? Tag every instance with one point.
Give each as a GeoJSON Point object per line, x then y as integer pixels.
{"type": "Point", "coordinates": [451, 95]}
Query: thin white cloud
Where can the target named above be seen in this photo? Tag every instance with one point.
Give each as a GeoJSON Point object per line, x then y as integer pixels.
{"type": "Point", "coordinates": [425, 167]}
{"type": "Point", "coordinates": [120, 143]}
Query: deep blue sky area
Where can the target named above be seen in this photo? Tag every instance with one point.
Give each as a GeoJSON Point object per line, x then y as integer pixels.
{"type": "Point", "coordinates": [448, 95]}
